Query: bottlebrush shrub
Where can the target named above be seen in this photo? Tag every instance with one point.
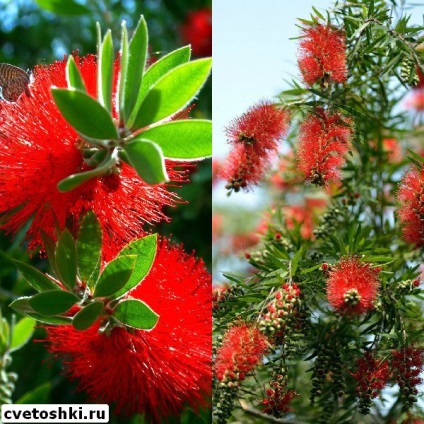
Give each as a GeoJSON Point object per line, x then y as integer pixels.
{"type": "Point", "coordinates": [129, 319]}
{"type": "Point", "coordinates": [104, 135]}
{"type": "Point", "coordinates": [354, 267]}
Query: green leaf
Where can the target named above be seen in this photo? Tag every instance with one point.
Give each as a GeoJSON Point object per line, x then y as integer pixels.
{"type": "Point", "coordinates": [115, 275]}
{"type": "Point", "coordinates": [147, 159]}
{"type": "Point", "coordinates": [173, 92]}
{"type": "Point", "coordinates": [158, 70]}
{"type": "Point", "coordinates": [52, 302]}
{"type": "Point", "coordinates": [22, 332]}
{"type": "Point", "coordinates": [318, 13]}
{"type": "Point", "coordinates": [135, 313]}
{"type": "Point", "coordinates": [89, 248]}
{"type": "Point", "coordinates": [63, 7]}
{"type": "Point", "coordinates": [22, 306]}
{"type": "Point", "coordinates": [50, 247]}
{"type": "Point", "coordinates": [145, 249]}
{"type": "Point", "coordinates": [183, 139]}
{"type": "Point", "coordinates": [137, 54]}
{"type": "Point", "coordinates": [38, 395]}
{"type": "Point", "coordinates": [123, 69]}
{"type": "Point", "coordinates": [66, 259]}
{"type": "Point", "coordinates": [75, 180]}
{"type": "Point", "coordinates": [87, 316]}
{"type": "Point", "coordinates": [34, 277]}
{"type": "Point", "coordinates": [295, 262]}
{"type": "Point", "coordinates": [416, 158]}
{"type": "Point", "coordinates": [85, 114]}
{"type": "Point", "coordinates": [50, 320]}
{"type": "Point", "coordinates": [105, 72]}
{"type": "Point", "coordinates": [73, 75]}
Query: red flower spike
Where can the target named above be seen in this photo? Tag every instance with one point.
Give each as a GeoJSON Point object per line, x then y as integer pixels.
{"type": "Point", "coordinates": [197, 31]}
{"type": "Point", "coordinates": [242, 348]}
{"type": "Point", "coordinates": [255, 136]}
{"type": "Point", "coordinates": [324, 139]}
{"type": "Point", "coordinates": [352, 286]}
{"type": "Point", "coordinates": [407, 365]}
{"type": "Point", "coordinates": [322, 55]}
{"type": "Point", "coordinates": [411, 207]}
{"type": "Point", "coordinates": [278, 399]}
{"type": "Point", "coordinates": [40, 149]}
{"type": "Point", "coordinates": [156, 372]}
{"type": "Point", "coordinates": [371, 374]}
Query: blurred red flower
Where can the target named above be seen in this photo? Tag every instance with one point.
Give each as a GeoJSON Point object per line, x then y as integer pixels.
{"type": "Point", "coordinates": [411, 207]}
{"type": "Point", "coordinates": [242, 348]}
{"type": "Point", "coordinates": [40, 149]}
{"type": "Point", "coordinates": [155, 372]}
{"type": "Point", "coordinates": [324, 139]}
{"type": "Point", "coordinates": [322, 54]}
{"type": "Point", "coordinates": [352, 286]}
{"type": "Point", "coordinates": [197, 31]}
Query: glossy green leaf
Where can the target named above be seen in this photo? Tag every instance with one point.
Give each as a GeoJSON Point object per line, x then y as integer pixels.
{"type": "Point", "coordinates": [87, 316]}
{"type": "Point", "coordinates": [135, 313]}
{"type": "Point", "coordinates": [22, 306]}
{"type": "Point", "coordinates": [52, 302]}
{"type": "Point", "coordinates": [123, 69]}
{"type": "Point", "coordinates": [73, 75]}
{"type": "Point", "coordinates": [145, 249]}
{"type": "Point", "coordinates": [173, 92]}
{"type": "Point", "coordinates": [50, 248]}
{"type": "Point", "coordinates": [36, 396]}
{"type": "Point", "coordinates": [89, 247]}
{"type": "Point", "coordinates": [75, 180]}
{"type": "Point", "coordinates": [147, 159]}
{"type": "Point", "coordinates": [115, 276]}
{"type": "Point", "coordinates": [137, 54]}
{"type": "Point", "coordinates": [85, 114]}
{"type": "Point", "coordinates": [34, 277]}
{"type": "Point", "coordinates": [50, 320]}
{"type": "Point", "coordinates": [22, 332]}
{"type": "Point", "coordinates": [105, 73]}
{"type": "Point", "coordinates": [157, 71]}
{"type": "Point", "coordinates": [183, 139]}
{"type": "Point", "coordinates": [66, 259]}
{"type": "Point", "coordinates": [63, 7]}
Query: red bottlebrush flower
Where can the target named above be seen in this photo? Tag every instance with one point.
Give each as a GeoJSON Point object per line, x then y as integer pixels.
{"type": "Point", "coordinates": [372, 376]}
{"type": "Point", "coordinates": [322, 54]}
{"type": "Point", "coordinates": [324, 139]}
{"type": "Point", "coordinates": [411, 207]}
{"type": "Point", "coordinates": [415, 100]}
{"type": "Point", "coordinates": [197, 30]}
{"type": "Point", "coordinates": [262, 126]}
{"type": "Point", "coordinates": [40, 149]}
{"type": "Point", "coordinates": [243, 168]}
{"type": "Point", "coordinates": [155, 372]}
{"type": "Point", "coordinates": [278, 398]}
{"type": "Point", "coordinates": [255, 136]}
{"type": "Point", "coordinates": [407, 365]}
{"type": "Point", "coordinates": [242, 348]}
{"type": "Point", "coordinates": [352, 286]}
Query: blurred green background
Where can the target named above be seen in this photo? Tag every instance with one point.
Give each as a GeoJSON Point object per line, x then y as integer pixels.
{"type": "Point", "coordinates": [39, 32]}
